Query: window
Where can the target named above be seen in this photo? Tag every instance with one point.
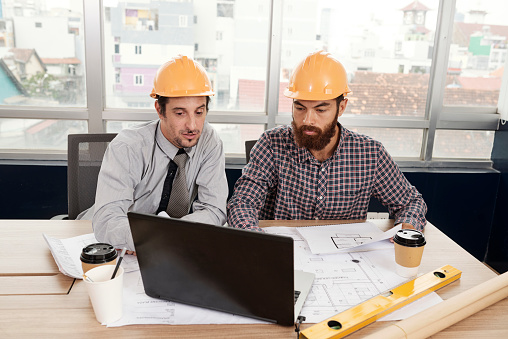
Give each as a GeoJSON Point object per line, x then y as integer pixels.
{"type": "Point", "coordinates": [225, 9]}
{"type": "Point", "coordinates": [425, 97]}
{"type": "Point", "coordinates": [388, 51]}
{"type": "Point", "coordinates": [478, 40]}
{"type": "Point", "coordinates": [117, 45]}
{"type": "Point", "coordinates": [140, 19]}
{"type": "Point", "coordinates": [117, 76]}
{"type": "Point", "coordinates": [35, 73]}
{"type": "Point", "coordinates": [182, 21]}
{"type": "Point", "coordinates": [138, 80]}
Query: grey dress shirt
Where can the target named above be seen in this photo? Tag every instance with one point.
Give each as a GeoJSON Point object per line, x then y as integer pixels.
{"type": "Point", "coordinates": [132, 177]}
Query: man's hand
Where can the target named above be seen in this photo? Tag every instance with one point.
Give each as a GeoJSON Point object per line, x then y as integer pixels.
{"type": "Point", "coordinates": [127, 252]}
{"type": "Point", "coordinates": [405, 225]}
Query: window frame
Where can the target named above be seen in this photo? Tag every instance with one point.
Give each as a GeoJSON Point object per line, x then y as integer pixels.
{"type": "Point", "coordinates": [437, 116]}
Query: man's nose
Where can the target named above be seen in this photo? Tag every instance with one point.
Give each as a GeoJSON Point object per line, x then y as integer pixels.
{"type": "Point", "coordinates": [190, 123]}
{"type": "Point", "coordinates": [310, 117]}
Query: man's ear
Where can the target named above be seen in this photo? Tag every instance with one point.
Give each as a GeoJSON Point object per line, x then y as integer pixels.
{"type": "Point", "coordinates": [157, 107]}
{"type": "Point", "coordinates": [342, 106]}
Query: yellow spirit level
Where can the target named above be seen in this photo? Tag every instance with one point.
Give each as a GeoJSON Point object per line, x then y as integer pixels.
{"type": "Point", "coordinates": [371, 310]}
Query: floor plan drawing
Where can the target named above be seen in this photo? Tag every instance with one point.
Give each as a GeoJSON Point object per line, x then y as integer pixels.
{"type": "Point", "coordinates": [348, 240]}
{"type": "Point", "coordinates": [343, 238]}
{"type": "Point", "coordinates": [342, 279]}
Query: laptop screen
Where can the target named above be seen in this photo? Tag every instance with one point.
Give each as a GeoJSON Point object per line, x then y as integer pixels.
{"type": "Point", "coordinates": [237, 271]}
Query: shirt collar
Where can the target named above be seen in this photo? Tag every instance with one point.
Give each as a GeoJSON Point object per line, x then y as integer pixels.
{"type": "Point", "coordinates": [167, 147]}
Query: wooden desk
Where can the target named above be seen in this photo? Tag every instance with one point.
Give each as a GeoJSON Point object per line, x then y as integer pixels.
{"type": "Point", "coordinates": [71, 314]}
{"type": "Point", "coordinates": [30, 268]}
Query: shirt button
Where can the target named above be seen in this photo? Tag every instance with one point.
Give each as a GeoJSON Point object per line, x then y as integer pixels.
{"type": "Point", "coordinates": [323, 169]}
{"type": "Point", "coordinates": [317, 218]}
{"type": "Point", "coordinates": [320, 197]}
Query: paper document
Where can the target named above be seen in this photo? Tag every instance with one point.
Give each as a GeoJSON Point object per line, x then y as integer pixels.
{"type": "Point", "coordinates": [342, 280]}
{"type": "Point", "coordinates": [345, 279]}
{"type": "Point", "coordinates": [138, 308]}
{"type": "Point", "coordinates": [343, 238]}
{"type": "Point", "coordinates": [66, 253]}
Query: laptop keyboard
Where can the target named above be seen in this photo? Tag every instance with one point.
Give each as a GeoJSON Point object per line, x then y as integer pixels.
{"type": "Point", "coordinates": [297, 294]}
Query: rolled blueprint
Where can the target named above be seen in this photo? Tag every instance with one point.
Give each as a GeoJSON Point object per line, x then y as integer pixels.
{"type": "Point", "coordinates": [448, 312]}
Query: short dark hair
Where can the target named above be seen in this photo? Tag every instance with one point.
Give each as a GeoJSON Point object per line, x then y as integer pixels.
{"type": "Point", "coordinates": [164, 100]}
{"type": "Point", "coordinates": [339, 100]}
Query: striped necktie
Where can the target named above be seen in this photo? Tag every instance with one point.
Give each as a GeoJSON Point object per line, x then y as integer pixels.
{"type": "Point", "coordinates": [179, 200]}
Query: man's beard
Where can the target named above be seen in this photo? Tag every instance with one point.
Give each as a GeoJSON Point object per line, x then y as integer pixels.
{"type": "Point", "coordinates": [318, 141]}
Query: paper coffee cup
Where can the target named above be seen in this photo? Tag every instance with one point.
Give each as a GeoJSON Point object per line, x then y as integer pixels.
{"type": "Point", "coordinates": [98, 254]}
{"type": "Point", "coordinates": [106, 294]}
{"type": "Point", "coordinates": [409, 245]}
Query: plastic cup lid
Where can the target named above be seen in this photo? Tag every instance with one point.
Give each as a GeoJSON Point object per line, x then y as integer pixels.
{"type": "Point", "coordinates": [409, 238]}
{"type": "Point", "coordinates": [98, 253]}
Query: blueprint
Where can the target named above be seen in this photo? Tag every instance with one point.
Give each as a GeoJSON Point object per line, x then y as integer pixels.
{"type": "Point", "coordinates": [342, 238]}
{"type": "Point", "coordinates": [342, 279]}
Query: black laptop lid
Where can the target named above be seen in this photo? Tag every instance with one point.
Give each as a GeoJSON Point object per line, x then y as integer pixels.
{"type": "Point", "coordinates": [221, 268]}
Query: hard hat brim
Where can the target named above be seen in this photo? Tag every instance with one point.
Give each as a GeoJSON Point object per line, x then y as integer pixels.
{"type": "Point", "coordinates": [300, 95]}
{"type": "Point", "coordinates": [176, 94]}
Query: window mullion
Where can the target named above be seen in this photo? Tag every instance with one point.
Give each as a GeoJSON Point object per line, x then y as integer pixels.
{"type": "Point", "coordinates": [503, 94]}
{"type": "Point", "coordinates": [273, 67]}
{"type": "Point", "coordinates": [437, 79]}
{"type": "Point", "coordinates": [93, 61]}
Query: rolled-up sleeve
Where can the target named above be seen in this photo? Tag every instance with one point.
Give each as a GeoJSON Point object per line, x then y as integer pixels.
{"type": "Point", "coordinates": [252, 187]}
{"type": "Point", "coordinates": [393, 190]}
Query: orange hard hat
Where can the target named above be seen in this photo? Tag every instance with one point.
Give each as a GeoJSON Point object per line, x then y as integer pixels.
{"type": "Point", "coordinates": [318, 77]}
{"type": "Point", "coordinates": [181, 77]}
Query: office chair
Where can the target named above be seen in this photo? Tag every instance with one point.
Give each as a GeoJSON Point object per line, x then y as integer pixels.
{"type": "Point", "coordinates": [84, 159]}
{"type": "Point", "coordinates": [248, 146]}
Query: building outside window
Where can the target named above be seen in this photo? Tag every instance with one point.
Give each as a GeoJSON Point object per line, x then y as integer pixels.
{"type": "Point", "coordinates": [425, 99]}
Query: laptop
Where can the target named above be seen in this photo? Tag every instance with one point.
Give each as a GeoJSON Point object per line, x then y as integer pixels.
{"type": "Point", "coordinates": [221, 268]}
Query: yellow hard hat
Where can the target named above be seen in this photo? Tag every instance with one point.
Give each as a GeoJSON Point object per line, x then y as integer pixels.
{"type": "Point", "coordinates": [181, 77]}
{"type": "Point", "coordinates": [318, 77]}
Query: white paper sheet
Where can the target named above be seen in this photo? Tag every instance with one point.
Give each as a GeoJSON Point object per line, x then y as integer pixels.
{"type": "Point", "coordinates": [66, 253]}
{"type": "Point", "coordinates": [138, 308]}
{"type": "Point", "coordinates": [342, 238]}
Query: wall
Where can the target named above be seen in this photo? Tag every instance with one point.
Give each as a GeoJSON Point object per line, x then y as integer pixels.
{"type": "Point", "coordinates": [497, 256]}
{"type": "Point", "coordinates": [32, 191]}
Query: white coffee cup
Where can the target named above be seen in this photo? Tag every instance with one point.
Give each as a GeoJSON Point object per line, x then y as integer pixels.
{"type": "Point", "coordinates": [106, 294]}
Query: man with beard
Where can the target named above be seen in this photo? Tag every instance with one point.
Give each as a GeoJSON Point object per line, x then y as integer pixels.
{"type": "Point", "coordinates": [316, 168]}
{"type": "Point", "coordinates": [172, 165]}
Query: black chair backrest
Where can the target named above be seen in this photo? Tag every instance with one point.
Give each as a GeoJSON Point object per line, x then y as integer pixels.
{"type": "Point", "coordinates": [84, 159]}
{"type": "Point", "coordinates": [248, 146]}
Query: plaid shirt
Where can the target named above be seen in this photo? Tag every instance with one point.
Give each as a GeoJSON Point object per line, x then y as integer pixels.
{"type": "Point", "coordinates": [285, 182]}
